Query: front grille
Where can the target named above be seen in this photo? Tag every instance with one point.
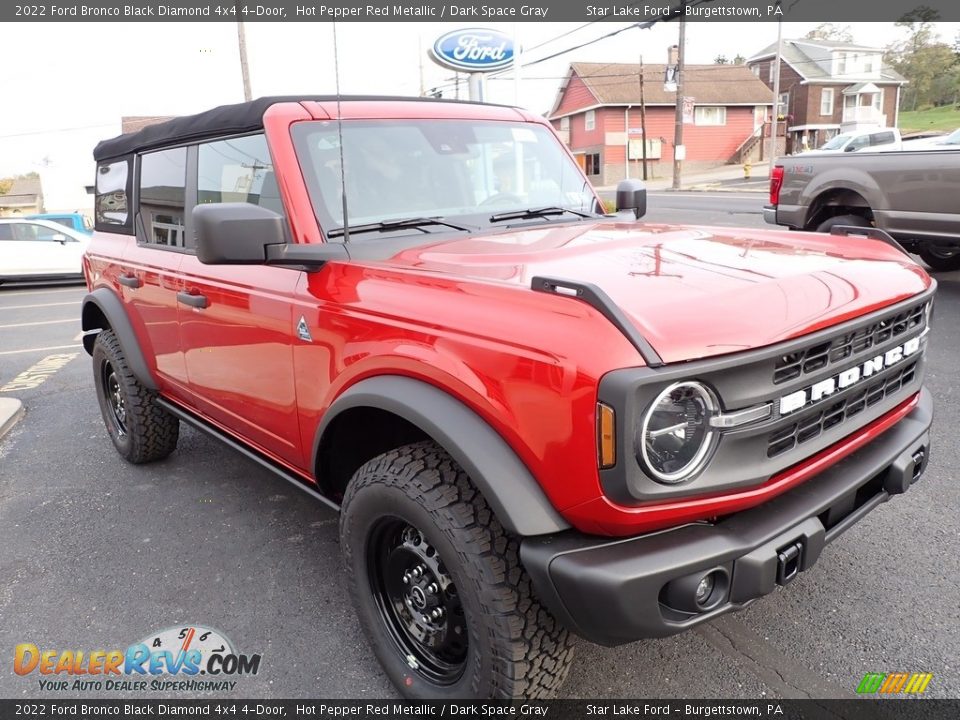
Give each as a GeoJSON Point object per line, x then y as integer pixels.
{"type": "Point", "coordinates": [813, 424]}
{"type": "Point", "coordinates": [842, 347]}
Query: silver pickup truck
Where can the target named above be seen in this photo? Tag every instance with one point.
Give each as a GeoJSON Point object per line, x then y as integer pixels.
{"type": "Point", "coordinates": [914, 196]}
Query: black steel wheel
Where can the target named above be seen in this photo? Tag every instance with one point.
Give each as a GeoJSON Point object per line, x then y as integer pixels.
{"type": "Point", "coordinates": [438, 585]}
{"type": "Point", "coordinates": [940, 259]}
{"type": "Point", "coordinates": [417, 600]}
{"type": "Point", "coordinates": [140, 429]}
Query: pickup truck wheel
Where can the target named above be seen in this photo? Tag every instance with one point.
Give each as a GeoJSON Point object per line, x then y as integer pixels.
{"type": "Point", "coordinates": [438, 585]}
{"type": "Point", "coordinates": [854, 220]}
{"type": "Point", "coordinates": [140, 430]}
{"type": "Point", "coordinates": [940, 260]}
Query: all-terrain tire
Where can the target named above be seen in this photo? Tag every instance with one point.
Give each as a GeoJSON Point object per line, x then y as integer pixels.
{"type": "Point", "coordinates": [940, 261]}
{"type": "Point", "coordinates": [141, 430]}
{"type": "Point", "coordinates": [514, 647]}
{"type": "Point", "coordinates": [854, 220]}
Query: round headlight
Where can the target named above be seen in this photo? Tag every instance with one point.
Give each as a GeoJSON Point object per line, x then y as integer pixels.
{"type": "Point", "coordinates": [676, 439]}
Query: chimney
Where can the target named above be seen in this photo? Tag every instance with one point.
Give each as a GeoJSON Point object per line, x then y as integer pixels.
{"type": "Point", "coordinates": [673, 55]}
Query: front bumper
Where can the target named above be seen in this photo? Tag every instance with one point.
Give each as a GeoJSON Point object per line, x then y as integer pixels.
{"type": "Point", "coordinates": [616, 591]}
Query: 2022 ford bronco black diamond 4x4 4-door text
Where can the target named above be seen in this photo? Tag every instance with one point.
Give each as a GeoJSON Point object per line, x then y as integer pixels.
{"type": "Point", "coordinates": [536, 420]}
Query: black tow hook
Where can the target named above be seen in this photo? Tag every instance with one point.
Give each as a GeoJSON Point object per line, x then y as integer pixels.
{"type": "Point", "coordinates": [788, 562]}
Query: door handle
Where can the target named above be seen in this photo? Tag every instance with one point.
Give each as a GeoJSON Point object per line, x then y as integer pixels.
{"type": "Point", "coordinates": [130, 281]}
{"type": "Point", "coordinates": [197, 301]}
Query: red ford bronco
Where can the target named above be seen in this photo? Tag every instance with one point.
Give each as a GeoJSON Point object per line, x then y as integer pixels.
{"type": "Point", "coordinates": [536, 420]}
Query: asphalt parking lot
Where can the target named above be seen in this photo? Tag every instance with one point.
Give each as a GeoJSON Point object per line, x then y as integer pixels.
{"type": "Point", "coordinates": [98, 554]}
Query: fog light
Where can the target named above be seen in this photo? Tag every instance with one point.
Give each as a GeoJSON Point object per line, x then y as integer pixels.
{"type": "Point", "coordinates": [698, 592]}
{"type": "Point", "coordinates": [704, 589]}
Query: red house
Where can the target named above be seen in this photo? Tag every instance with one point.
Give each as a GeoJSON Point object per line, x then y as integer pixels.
{"type": "Point", "coordinates": [597, 113]}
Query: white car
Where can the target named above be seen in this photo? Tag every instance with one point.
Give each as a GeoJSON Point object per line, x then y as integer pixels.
{"type": "Point", "coordinates": [39, 250]}
{"type": "Point", "coordinates": [942, 142]}
{"type": "Point", "coordinates": [866, 141]}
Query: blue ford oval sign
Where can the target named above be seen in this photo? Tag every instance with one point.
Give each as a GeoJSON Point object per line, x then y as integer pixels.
{"type": "Point", "coordinates": [473, 50]}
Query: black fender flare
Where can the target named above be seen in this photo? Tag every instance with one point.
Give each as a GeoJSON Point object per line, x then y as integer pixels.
{"type": "Point", "coordinates": [508, 486]}
{"type": "Point", "coordinates": [111, 307]}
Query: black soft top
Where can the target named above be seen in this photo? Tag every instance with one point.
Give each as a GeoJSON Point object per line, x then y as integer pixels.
{"type": "Point", "coordinates": [223, 120]}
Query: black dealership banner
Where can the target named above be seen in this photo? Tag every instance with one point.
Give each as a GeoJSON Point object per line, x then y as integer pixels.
{"type": "Point", "coordinates": [232, 709]}
{"type": "Point", "coordinates": [484, 11]}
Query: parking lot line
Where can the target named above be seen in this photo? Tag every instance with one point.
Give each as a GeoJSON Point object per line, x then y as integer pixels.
{"type": "Point", "coordinates": [40, 349]}
{"type": "Point", "coordinates": [10, 293]}
{"type": "Point", "coordinates": [24, 307]}
{"type": "Point", "coordinates": [41, 322]}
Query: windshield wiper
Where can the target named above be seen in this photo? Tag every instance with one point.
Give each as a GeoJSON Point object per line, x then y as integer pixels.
{"type": "Point", "coordinates": [398, 224]}
{"type": "Point", "coordinates": [530, 213]}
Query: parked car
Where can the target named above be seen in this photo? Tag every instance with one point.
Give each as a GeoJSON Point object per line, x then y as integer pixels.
{"type": "Point", "coordinates": [911, 195]}
{"type": "Point", "coordinates": [535, 420]}
{"type": "Point", "coordinates": [871, 140]}
{"type": "Point", "coordinates": [39, 250]}
{"type": "Point", "coordinates": [942, 142]}
{"type": "Point", "coordinates": [74, 221]}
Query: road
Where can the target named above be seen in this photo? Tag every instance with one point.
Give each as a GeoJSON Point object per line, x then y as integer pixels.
{"type": "Point", "coordinates": [99, 554]}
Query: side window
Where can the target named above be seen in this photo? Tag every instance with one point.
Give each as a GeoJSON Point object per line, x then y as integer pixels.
{"type": "Point", "coordinates": [35, 231]}
{"type": "Point", "coordinates": [857, 143]}
{"type": "Point", "coordinates": [884, 138]}
{"type": "Point", "coordinates": [162, 196]}
{"type": "Point", "coordinates": [110, 204]}
{"type": "Point", "coordinates": [237, 170]}
{"type": "Point", "coordinates": [6, 231]}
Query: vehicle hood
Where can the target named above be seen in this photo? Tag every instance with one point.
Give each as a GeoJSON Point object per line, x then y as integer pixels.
{"type": "Point", "coordinates": [692, 291]}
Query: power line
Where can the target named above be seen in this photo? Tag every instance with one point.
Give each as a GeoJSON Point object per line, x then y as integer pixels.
{"type": "Point", "coordinates": [55, 130]}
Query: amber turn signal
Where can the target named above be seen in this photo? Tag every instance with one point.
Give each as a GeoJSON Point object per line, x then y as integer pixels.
{"type": "Point", "coordinates": [606, 437]}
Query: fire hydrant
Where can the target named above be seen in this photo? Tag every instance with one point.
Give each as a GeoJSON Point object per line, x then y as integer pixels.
{"type": "Point", "coordinates": [746, 171]}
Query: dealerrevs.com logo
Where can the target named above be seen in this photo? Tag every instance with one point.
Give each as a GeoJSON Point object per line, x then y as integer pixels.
{"type": "Point", "coordinates": [190, 658]}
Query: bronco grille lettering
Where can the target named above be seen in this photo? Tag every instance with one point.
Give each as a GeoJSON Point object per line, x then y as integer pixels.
{"type": "Point", "coordinates": [849, 377]}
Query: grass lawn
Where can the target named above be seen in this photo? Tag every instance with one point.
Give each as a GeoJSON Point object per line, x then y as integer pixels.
{"type": "Point", "coordinates": [938, 118]}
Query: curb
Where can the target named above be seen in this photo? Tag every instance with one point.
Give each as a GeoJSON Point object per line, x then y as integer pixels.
{"type": "Point", "coordinates": [724, 189]}
{"type": "Point", "coordinates": [11, 410]}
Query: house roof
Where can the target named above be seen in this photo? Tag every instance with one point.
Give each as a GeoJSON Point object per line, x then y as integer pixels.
{"type": "Point", "coordinates": [806, 67]}
{"type": "Point", "coordinates": [23, 193]}
{"type": "Point", "coordinates": [619, 84]}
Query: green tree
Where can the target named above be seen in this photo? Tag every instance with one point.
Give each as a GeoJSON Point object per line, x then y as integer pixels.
{"type": "Point", "coordinates": [829, 31]}
{"type": "Point", "coordinates": [930, 66]}
{"type": "Point", "coordinates": [721, 60]}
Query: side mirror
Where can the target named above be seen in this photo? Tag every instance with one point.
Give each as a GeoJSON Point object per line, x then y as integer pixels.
{"type": "Point", "coordinates": [235, 233]}
{"type": "Point", "coordinates": [850, 148]}
{"type": "Point", "coordinates": [60, 238]}
{"type": "Point", "coordinates": [632, 195]}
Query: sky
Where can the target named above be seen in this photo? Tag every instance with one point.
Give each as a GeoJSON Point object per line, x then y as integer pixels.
{"type": "Point", "coordinates": [66, 85]}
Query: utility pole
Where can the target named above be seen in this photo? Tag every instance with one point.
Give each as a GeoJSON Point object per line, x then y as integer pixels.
{"type": "Point", "coordinates": [244, 70]}
{"type": "Point", "coordinates": [678, 121]}
{"type": "Point", "coordinates": [776, 95]}
{"type": "Point", "coordinates": [643, 122]}
{"type": "Point", "coordinates": [423, 91]}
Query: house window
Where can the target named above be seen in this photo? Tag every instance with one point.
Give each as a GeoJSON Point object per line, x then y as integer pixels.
{"type": "Point", "coordinates": [565, 124]}
{"type": "Point", "coordinates": [755, 69]}
{"type": "Point", "coordinates": [770, 71]}
{"type": "Point", "coordinates": [590, 120]}
{"type": "Point", "coordinates": [163, 177]}
{"type": "Point", "coordinates": [782, 105]}
{"type": "Point", "coordinates": [592, 165]}
{"type": "Point", "coordinates": [710, 115]}
{"type": "Point", "coordinates": [868, 64]}
{"type": "Point", "coordinates": [826, 101]}
{"type": "Point", "coordinates": [841, 63]}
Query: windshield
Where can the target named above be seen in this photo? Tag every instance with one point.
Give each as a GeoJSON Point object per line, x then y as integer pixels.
{"type": "Point", "coordinates": [836, 143]}
{"type": "Point", "coordinates": [459, 170]}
